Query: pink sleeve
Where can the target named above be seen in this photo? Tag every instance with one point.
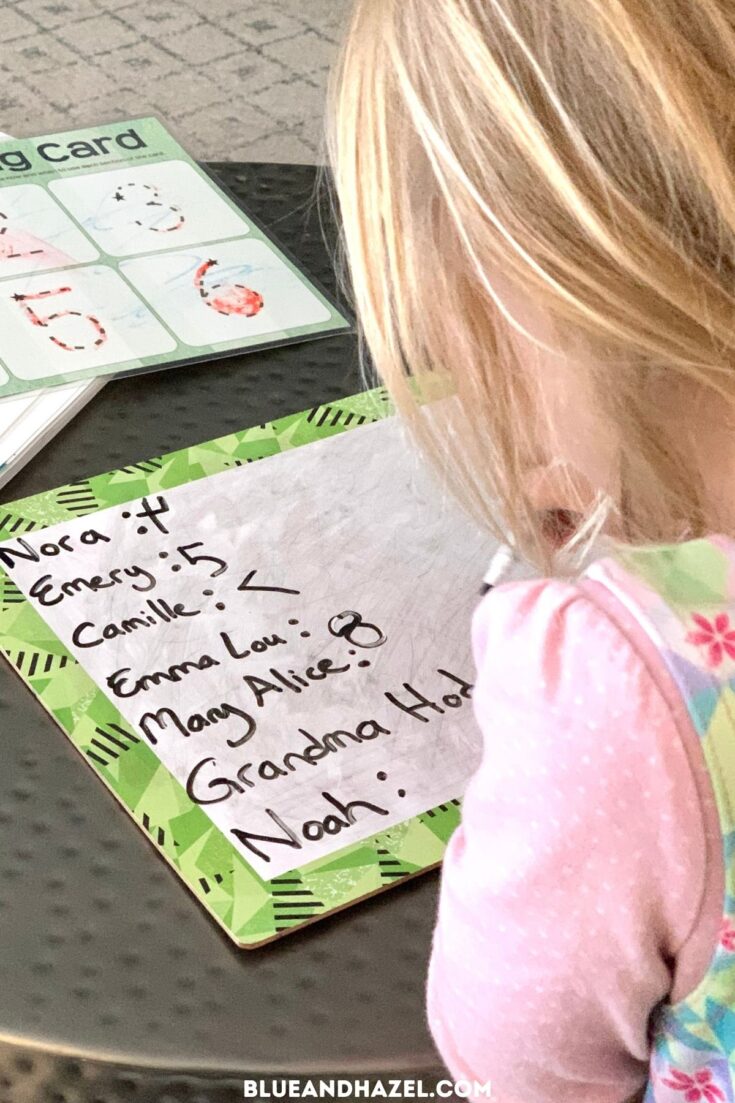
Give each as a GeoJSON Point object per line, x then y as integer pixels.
{"type": "Point", "coordinates": [585, 882]}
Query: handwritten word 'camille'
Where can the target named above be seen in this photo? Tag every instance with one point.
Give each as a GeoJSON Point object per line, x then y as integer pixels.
{"type": "Point", "coordinates": [159, 611]}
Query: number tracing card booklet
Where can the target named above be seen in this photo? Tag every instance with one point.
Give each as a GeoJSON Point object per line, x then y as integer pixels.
{"type": "Point", "coordinates": [119, 254]}
{"type": "Point", "coordinates": [268, 663]}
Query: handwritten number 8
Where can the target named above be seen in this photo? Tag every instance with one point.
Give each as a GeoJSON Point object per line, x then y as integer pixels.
{"type": "Point", "coordinates": [351, 627]}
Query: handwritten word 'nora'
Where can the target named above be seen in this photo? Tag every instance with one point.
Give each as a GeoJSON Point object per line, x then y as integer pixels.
{"type": "Point", "coordinates": [11, 553]}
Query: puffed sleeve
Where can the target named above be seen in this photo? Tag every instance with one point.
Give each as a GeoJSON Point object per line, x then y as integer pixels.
{"type": "Point", "coordinates": [578, 870]}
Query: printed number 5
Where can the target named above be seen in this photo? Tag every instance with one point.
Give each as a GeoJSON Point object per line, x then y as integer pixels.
{"type": "Point", "coordinates": [100, 335]}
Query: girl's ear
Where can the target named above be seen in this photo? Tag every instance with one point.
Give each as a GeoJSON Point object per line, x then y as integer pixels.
{"type": "Point", "coordinates": [558, 486]}
{"type": "Point", "coordinates": [555, 500]}
{"type": "Point", "coordinates": [562, 497]}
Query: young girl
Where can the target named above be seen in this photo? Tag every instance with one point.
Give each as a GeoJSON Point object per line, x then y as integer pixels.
{"type": "Point", "coordinates": [539, 199]}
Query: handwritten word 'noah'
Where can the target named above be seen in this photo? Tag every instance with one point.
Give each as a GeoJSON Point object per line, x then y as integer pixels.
{"type": "Point", "coordinates": [310, 830]}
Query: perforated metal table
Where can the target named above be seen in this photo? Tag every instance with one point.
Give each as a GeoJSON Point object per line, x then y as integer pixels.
{"type": "Point", "coordinates": [115, 987]}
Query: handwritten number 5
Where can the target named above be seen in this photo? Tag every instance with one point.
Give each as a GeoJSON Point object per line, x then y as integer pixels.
{"type": "Point", "coordinates": [185, 549]}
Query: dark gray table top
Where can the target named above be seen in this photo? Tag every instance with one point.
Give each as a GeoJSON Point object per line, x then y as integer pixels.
{"type": "Point", "coordinates": [115, 984]}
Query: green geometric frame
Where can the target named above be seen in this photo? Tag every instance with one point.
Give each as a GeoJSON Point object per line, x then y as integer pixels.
{"type": "Point", "coordinates": [251, 910]}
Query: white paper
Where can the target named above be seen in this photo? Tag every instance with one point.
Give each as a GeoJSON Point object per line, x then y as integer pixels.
{"type": "Point", "coordinates": [355, 526]}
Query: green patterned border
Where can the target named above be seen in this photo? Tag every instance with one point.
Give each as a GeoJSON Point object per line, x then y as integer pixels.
{"type": "Point", "coordinates": [252, 911]}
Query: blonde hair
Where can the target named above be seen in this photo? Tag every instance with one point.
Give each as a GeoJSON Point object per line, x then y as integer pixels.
{"type": "Point", "coordinates": [584, 150]}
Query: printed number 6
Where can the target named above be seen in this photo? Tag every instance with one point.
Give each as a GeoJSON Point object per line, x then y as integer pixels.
{"type": "Point", "coordinates": [43, 321]}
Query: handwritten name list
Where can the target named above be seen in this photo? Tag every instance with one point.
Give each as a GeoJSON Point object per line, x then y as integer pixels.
{"type": "Point", "coordinates": [291, 638]}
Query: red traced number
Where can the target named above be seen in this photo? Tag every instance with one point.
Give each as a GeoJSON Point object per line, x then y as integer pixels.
{"type": "Point", "coordinates": [44, 320]}
{"type": "Point", "coordinates": [234, 298]}
{"type": "Point", "coordinates": [6, 247]}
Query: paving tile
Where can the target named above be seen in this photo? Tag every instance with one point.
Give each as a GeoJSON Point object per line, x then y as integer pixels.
{"type": "Point", "coordinates": [243, 129]}
{"type": "Point", "coordinates": [72, 86]}
{"type": "Point", "coordinates": [15, 25]}
{"type": "Point", "coordinates": [294, 103]}
{"type": "Point", "coordinates": [203, 44]}
{"type": "Point", "coordinates": [231, 76]}
{"type": "Point", "coordinates": [182, 93]}
{"type": "Point", "coordinates": [159, 18]}
{"type": "Point", "coordinates": [142, 60]}
{"type": "Point", "coordinates": [249, 72]}
{"type": "Point", "coordinates": [38, 53]}
{"type": "Point", "coordinates": [48, 14]}
{"type": "Point", "coordinates": [306, 54]}
{"type": "Point", "coordinates": [261, 23]}
{"type": "Point", "coordinates": [98, 35]}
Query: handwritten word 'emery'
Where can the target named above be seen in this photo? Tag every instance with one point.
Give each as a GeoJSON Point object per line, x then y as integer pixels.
{"type": "Point", "coordinates": [47, 592]}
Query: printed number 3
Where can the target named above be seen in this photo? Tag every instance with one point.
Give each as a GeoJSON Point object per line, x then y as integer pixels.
{"type": "Point", "coordinates": [100, 334]}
